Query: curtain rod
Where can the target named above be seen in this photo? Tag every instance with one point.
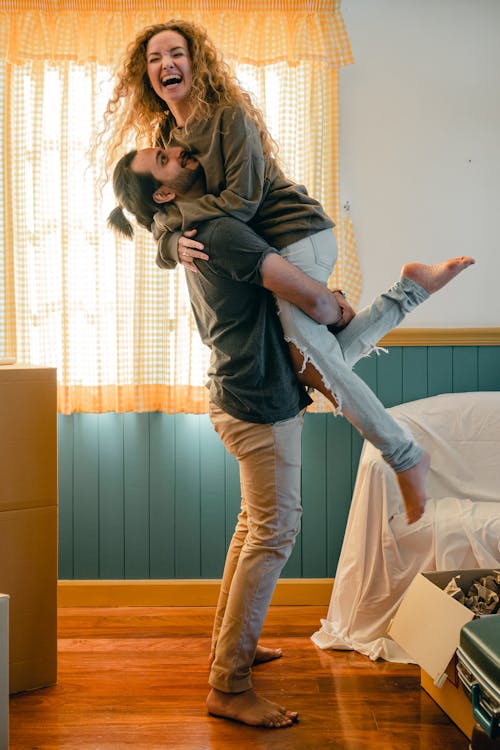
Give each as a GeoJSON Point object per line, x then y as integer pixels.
{"type": "Point", "coordinates": [61, 6]}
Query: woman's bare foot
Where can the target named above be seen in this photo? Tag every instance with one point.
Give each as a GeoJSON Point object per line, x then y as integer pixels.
{"type": "Point", "coordinates": [412, 485]}
{"type": "Point", "coordinates": [249, 708]}
{"type": "Point", "coordinates": [263, 654]}
{"type": "Point", "coordinates": [433, 278]}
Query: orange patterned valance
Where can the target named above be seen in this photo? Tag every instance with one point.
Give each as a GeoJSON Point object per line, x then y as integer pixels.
{"type": "Point", "coordinates": [90, 30]}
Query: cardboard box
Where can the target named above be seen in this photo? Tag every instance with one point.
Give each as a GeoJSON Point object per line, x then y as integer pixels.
{"type": "Point", "coordinates": [28, 522]}
{"type": "Point", "coordinates": [427, 625]}
{"type": "Point", "coordinates": [452, 699]}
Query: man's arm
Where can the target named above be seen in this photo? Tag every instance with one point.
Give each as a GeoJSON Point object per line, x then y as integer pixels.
{"type": "Point", "coordinates": [289, 283]}
{"type": "Point", "coordinates": [237, 252]}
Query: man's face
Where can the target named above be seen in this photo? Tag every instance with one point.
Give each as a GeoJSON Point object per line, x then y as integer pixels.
{"type": "Point", "coordinates": [174, 167]}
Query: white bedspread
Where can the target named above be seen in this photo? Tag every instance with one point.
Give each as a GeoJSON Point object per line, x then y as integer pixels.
{"type": "Point", "coordinates": [381, 554]}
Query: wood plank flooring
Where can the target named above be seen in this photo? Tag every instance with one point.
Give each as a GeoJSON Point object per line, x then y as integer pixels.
{"type": "Point", "coordinates": [137, 678]}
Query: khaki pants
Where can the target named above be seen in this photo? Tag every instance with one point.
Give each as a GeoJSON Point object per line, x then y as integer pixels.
{"type": "Point", "coordinates": [269, 457]}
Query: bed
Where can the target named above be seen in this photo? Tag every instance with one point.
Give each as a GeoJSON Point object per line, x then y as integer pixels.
{"type": "Point", "coordinates": [460, 528]}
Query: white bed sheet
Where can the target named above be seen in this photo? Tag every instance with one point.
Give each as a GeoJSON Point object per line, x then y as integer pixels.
{"type": "Point", "coordinates": [460, 528]}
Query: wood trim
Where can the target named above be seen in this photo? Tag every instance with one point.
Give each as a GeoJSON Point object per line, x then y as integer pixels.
{"type": "Point", "coordinates": [442, 337]}
{"type": "Point", "coordinates": [182, 593]}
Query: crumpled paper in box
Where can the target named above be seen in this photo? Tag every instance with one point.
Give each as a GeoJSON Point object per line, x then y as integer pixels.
{"type": "Point", "coordinates": [482, 598]}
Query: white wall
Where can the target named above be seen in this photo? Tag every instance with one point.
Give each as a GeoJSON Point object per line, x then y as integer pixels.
{"type": "Point", "coordinates": [420, 147]}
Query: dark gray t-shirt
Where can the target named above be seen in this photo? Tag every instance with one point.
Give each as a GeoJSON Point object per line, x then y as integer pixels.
{"type": "Point", "coordinates": [251, 373]}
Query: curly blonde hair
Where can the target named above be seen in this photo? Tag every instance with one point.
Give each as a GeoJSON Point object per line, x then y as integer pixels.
{"type": "Point", "coordinates": [135, 114]}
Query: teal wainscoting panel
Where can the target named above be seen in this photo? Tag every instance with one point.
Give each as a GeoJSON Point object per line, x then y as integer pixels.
{"type": "Point", "coordinates": [157, 496]}
{"type": "Point", "coordinates": [415, 380]}
{"type": "Point", "coordinates": [489, 368]}
{"type": "Point", "coordinates": [162, 478]}
{"type": "Point", "coordinates": [86, 496]}
{"type": "Point", "coordinates": [213, 501]}
{"type": "Point", "coordinates": [111, 497]}
{"type": "Point", "coordinates": [313, 540]}
{"type": "Point", "coordinates": [341, 452]}
{"type": "Point", "coordinates": [465, 368]}
{"type": "Point", "coordinates": [65, 452]}
{"type": "Point", "coordinates": [187, 496]}
{"type": "Point", "coordinates": [440, 370]}
{"type": "Point", "coordinates": [136, 495]}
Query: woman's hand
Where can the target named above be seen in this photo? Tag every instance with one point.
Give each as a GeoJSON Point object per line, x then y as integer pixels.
{"type": "Point", "coordinates": [188, 248]}
{"type": "Point", "coordinates": [347, 311]}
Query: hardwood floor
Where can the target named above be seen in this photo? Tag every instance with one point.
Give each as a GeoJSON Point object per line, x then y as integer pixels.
{"type": "Point", "coordinates": [137, 678]}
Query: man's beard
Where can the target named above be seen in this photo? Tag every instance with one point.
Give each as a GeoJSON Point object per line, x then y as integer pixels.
{"type": "Point", "coordinates": [185, 180]}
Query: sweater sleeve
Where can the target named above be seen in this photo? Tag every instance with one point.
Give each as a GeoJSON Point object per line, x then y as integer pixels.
{"type": "Point", "coordinates": [244, 167]}
{"type": "Point", "coordinates": [163, 229]}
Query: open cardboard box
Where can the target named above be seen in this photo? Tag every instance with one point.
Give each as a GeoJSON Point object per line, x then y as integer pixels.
{"type": "Point", "coordinates": [427, 625]}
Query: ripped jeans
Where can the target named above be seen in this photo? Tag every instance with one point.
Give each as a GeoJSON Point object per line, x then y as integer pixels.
{"type": "Point", "coordinates": [334, 356]}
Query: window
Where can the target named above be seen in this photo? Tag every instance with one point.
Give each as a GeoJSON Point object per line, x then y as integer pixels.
{"type": "Point", "coordinates": [117, 328]}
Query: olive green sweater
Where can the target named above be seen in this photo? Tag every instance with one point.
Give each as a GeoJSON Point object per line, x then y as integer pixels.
{"type": "Point", "coordinates": [241, 183]}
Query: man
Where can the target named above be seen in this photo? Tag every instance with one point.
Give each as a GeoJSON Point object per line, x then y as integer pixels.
{"type": "Point", "coordinates": [256, 404]}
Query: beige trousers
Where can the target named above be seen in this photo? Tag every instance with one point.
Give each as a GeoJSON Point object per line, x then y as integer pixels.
{"type": "Point", "coordinates": [269, 457]}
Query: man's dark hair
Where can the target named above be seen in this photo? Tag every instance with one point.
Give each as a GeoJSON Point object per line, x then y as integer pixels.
{"type": "Point", "coordinates": [134, 192]}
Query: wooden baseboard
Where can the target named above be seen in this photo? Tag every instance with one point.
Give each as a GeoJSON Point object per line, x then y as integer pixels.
{"type": "Point", "coordinates": [182, 593]}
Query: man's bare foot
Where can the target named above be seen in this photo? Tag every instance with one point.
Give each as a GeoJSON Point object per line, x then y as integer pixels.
{"type": "Point", "coordinates": [412, 485]}
{"type": "Point", "coordinates": [249, 708]}
{"type": "Point", "coordinates": [263, 654]}
{"type": "Point", "coordinates": [433, 278]}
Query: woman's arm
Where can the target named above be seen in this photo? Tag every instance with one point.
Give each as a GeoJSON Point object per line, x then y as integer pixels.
{"type": "Point", "coordinates": [172, 247]}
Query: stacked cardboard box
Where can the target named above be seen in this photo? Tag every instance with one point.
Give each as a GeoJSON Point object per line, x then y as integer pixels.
{"type": "Point", "coordinates": [4, 672]}
{"type": "Point", "coordinates": [28, 521]}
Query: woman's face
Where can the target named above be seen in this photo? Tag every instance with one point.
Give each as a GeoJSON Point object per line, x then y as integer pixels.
{"type": "Point", "coordinates": [169, 68]}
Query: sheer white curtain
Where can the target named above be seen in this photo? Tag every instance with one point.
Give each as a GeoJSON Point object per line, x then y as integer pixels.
{"type": "Point", "coordinates": [73, 296]}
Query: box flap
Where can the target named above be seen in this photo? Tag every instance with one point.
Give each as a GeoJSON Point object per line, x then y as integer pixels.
{"type": "Point", "coordinates": [464, 578]}
{"type": "Point", "coordinates": [427, 625]}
